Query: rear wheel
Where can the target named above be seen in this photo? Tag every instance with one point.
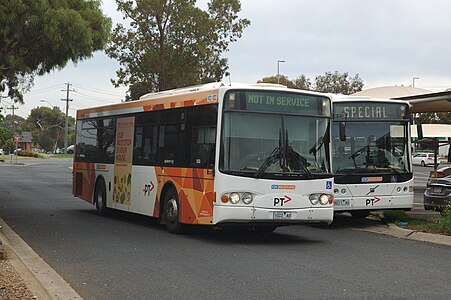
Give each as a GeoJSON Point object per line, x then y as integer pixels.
{"type": "Point", "coordinates": [360, 214]}
{"type": "Point", "coordinates": [172, 212]}
{"type": "Point", "coordinates": [422, 163]}
{"type": "Point", "coordinates": [100, 198]}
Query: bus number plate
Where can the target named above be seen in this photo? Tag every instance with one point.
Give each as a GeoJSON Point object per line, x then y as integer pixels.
{"type": "Point", "coordinates": [282, 215]}
{"type": "Point", "coordinates": [342, 202]}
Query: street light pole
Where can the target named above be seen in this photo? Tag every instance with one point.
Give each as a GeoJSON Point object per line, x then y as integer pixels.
{"type": "Point", "coordinates": [413, 81]}
{"type": "Point", "coordinates": [278, 67]}
{"type": "Point", "coordinates": [42, 100]}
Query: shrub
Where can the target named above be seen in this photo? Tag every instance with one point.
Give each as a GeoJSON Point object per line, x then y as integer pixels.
{"type": "Point", "coordinates": [27, 153]}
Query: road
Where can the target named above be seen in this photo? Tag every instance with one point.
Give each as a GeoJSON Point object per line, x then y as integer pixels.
{"type": "Point", "coordinates": [131, 257]}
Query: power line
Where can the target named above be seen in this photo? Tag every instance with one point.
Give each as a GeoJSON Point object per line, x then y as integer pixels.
{"type": "Point", "coordinates": [95, 90]}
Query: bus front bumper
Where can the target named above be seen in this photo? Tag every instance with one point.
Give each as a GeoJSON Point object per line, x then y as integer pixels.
{"type": "Point", "coordinates": [257, 215]}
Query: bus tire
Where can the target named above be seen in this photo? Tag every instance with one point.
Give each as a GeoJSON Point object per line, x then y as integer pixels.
{"type": "Point", "coordinates": [360, 214]}
{"type": "Point", "coordinates": [172, 212]}
{"type": "Point", "coordinates": [100, 198]}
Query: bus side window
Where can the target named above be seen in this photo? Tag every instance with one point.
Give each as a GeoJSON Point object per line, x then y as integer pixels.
{"type": "Point", "coordinates": [203, 146]}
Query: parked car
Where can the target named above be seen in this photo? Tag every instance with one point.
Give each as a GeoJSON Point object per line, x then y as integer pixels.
{"type": "Point", "coordinates": [423, 159]}
{"type": "Point", "coordinates": [70, 149]}
{"type": "Point", "coordinates": [438, 194]}
{"type": "Point", "coordinates": [443, 171]}
{"type": "Point", "coordinates": [1, 152]}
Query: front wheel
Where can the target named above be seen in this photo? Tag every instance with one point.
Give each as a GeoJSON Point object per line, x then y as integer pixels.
{"type": "Point", "coordinates": [172, 212]}
{"type": "Point", "coordinates": [360, 214]}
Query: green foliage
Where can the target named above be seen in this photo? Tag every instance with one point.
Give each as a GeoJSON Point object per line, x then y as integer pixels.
{"type": "Point", "coordinates": [9, 146]}
{"type": "Point", "coordinates": [41, 35]}
{"type": "Point", "coordinates": [173, 43]}
{"type": "Point", "coordinates": [5, 134]}
{"type": "Point", "coordinates": [47, 126]}
{"type": "Point", "coordinates": [335, 83]}
{"type": "Point", "coordinates": [441, 225]}
{"type": "Point", "coordinates": [27, 153]}
{"type": "Point", "coordinates": [282, 79]}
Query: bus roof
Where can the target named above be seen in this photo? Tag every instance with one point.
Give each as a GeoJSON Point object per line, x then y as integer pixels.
{"type": "Point", "coordinates": [182, 97]}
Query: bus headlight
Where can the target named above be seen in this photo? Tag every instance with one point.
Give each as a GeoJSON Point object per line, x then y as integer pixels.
{"type": "Point", "coordinates": [247, 198]}
{"type": "Point", "coordinates": [314, 198]}
{"type": "Point", "coordinates": [234, 198]}
{"type": "Point", "coordinates": [324, 199]}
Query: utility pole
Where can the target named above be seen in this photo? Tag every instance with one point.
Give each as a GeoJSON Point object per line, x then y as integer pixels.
{"type": "Point", "coordinates": [67, 113]}
{"type": "Point", "coordinates": [13, 109]}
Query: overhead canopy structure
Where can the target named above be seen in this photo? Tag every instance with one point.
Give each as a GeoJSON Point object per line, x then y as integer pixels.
{"type": "Point", "coordinates": [433, 130]}
{"type": "Point", "coordinates": [422, 101]}
{"type": "Point", "coordinates": [433, 102]}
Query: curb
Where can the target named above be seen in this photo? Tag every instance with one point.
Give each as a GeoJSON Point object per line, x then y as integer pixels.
{"type": "Point", "coordinates": [395, 231]}
{"type": "Point", "coordinates": [39, 277]}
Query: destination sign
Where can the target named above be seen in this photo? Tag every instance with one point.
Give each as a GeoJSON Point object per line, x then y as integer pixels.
{"type": "Point", "coordinates": [368, 110]}
{"type": "Point", "coordinates": [270, 101]}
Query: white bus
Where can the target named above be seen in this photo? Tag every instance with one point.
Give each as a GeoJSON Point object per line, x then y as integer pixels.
{"type": "Point", "coordinates": [212, 155]}
{"type": "Point", "coordinates": [371, 155]}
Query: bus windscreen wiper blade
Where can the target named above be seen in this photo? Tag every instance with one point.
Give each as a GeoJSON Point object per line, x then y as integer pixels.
{"type": "Point", "coordinates": [272, 158]}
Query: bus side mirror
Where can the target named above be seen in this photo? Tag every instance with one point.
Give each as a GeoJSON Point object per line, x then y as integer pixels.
{"type": "Point", "coordinates": [420, 131]}
{"type": "Point", "coordinates": [342, 131]}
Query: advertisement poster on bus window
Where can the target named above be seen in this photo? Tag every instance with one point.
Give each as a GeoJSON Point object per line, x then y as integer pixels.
{"type": "Point", "coordinates": [123, 160]}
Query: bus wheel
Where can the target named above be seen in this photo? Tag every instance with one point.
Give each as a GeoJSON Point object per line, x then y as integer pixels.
{"type": "Point", "coordinates": [100, 198]}
{"type": "Point", "coordinates": [265, 229]}
{"type": "Point", "coordinates": [360, 214]}
{"type": "Point", "coordinates": [172, 212]}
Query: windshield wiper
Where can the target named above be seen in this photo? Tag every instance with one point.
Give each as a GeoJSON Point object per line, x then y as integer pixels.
{"type": "Point", "coordinates": [272, 158]}
{"type": "Point", "coordinates": [299, 161]}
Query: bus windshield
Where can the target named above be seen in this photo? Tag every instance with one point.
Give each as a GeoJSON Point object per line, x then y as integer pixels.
{"type": "Point", "coordinates": [274, 145]}
{"type": "Point", "coordinates": [371, 147]}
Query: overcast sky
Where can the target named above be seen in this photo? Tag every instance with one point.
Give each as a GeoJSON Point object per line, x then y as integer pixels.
{"type": "Point", "coordinates": [387, 42]}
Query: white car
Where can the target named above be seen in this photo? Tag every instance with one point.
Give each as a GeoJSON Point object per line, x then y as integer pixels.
{"type": "Point", "coordinates": [70, 149]}
{"type": "Point", "coordinates": [423, 159]}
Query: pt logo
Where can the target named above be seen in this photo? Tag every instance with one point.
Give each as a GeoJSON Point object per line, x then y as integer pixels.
{"type": "Point", "coordinates": [371, 202]}
{"type": "Point", "coordinates": [148, 188]}
{"type": "Point", "coordinates": [281, 200]}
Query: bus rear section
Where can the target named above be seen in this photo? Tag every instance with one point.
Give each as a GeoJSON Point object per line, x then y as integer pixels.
{"type": "Point", "coordinates": [371, 156]}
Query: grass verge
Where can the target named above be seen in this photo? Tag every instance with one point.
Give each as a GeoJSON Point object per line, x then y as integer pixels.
{"type": "Point", "coordinates": [402, 219]}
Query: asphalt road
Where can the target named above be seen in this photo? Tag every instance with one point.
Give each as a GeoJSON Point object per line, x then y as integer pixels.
{"type": "Point", "coordinates": [131, 257]}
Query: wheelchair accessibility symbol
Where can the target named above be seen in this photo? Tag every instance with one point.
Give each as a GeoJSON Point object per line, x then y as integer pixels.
{"type": "Point", "coordinates": [328, 185]}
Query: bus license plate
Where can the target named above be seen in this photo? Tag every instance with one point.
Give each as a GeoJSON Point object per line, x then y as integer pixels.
{"type": "Point", "coordinates": [282, 215]}
{"type": "Point", "coordinates": [342, 202]}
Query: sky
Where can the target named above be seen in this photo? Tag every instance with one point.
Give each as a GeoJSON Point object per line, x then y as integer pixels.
{"type": "Point", "coordinates": [386, 42]}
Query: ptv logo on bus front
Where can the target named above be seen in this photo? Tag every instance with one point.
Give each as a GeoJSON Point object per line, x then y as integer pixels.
{"type": "Point", "coordinates": [280, 201]}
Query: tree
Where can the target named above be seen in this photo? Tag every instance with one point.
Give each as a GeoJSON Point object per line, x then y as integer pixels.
{"type": "Point", "coordinates": [12, 122]}
{"type": "Point", "coordinates": [39, 36]}
{"type": "Point", "coordinates": [5, 135]}
{"type": "Point", "coordinates": [329, 83]}
{"type": "Point", "coordinates": [302, 83]}
{"type": "Point", "coordinates": [338, 83]}
{"type": "Point", "coordinates": [282, 79]}
{"type": "Point", "coordinates": [173, 43]}
{"type": "Point", "coordinates": [47, 126]}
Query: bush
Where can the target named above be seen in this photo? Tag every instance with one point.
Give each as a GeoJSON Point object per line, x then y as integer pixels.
{"type": "Point", "coordinates": [445, 221]}
{"type": "Point", "coordinates": [27, 153]}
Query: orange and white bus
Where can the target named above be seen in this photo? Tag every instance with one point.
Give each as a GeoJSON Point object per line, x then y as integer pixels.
{"type": "Point", "coordinates": [254, 155]}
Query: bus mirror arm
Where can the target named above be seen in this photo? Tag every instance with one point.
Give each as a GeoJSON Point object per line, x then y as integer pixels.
{"type": "Point", "coordinates": [343, 131]}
